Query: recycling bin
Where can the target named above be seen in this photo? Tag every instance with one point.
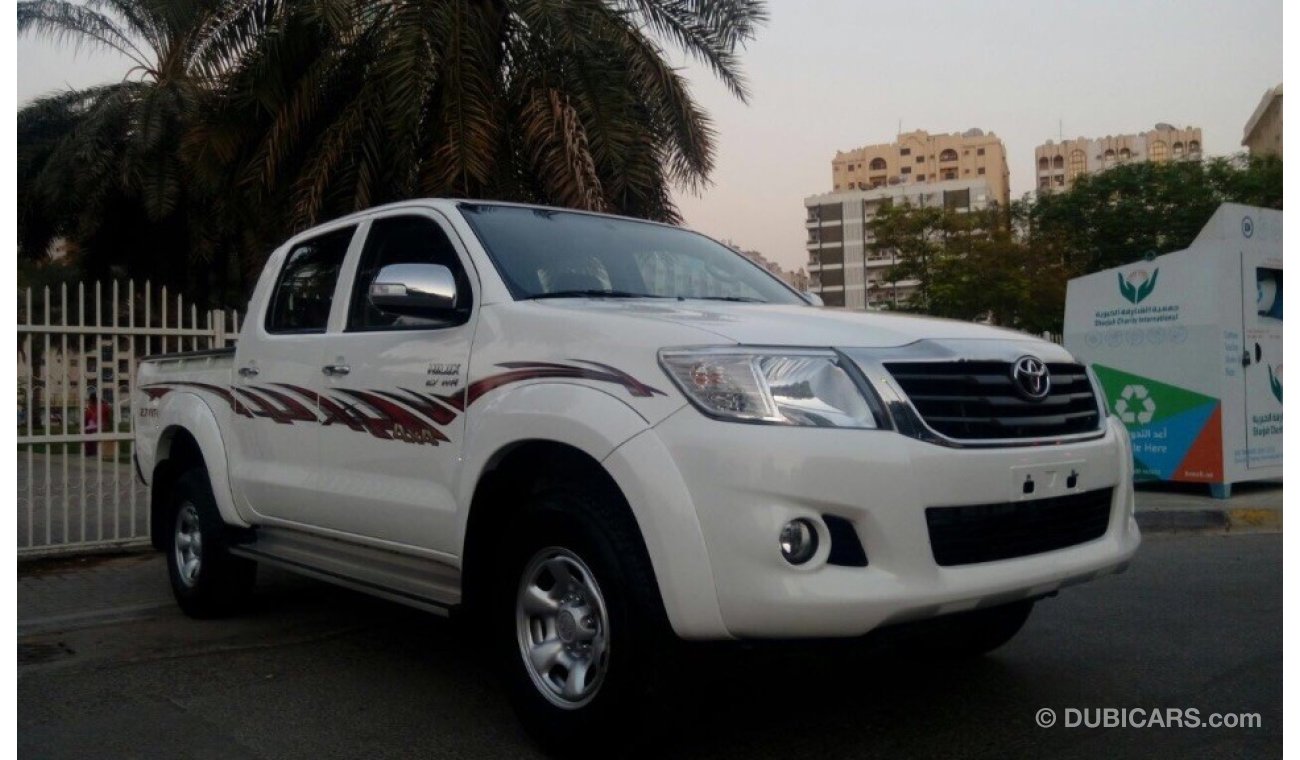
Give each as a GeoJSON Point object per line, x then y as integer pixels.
{"type": "Point", "coordinates": [1187, 348]}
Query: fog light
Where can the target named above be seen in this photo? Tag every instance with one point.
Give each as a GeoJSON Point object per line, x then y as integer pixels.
{"type": "Point", "coordinates": [798, 541]}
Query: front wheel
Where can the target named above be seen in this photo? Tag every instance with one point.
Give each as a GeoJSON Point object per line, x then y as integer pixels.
{"type": "Point", "coordinates": [206, 579]}
{"type": "Point", "coordinates": [580, 628]}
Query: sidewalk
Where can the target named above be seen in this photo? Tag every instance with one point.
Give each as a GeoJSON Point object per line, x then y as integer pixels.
{"type": "Point", "coordinates": [58, 595]}
{"type": "Point", "coordinates": [1167, 507]}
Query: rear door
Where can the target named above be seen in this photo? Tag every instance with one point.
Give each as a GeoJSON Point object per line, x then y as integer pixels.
{"type": "Point", "coordinates": [278, 378]}
{"type": "Point", "coordinates": [390, 465]}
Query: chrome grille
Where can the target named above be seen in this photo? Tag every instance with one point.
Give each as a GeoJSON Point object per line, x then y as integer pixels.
{"type": "Point", "coordinates": [977, 400]}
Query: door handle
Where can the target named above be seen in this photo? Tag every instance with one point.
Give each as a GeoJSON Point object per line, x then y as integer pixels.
{"type": "Point", "coordinates": [335, 370]}
{"type": "Point", "coordinates": [249, 371]}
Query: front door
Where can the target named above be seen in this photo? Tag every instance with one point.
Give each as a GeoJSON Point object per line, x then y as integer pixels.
{"type": "Point", "coordinates": [394, 427]}
{"type": "Point", "coordinates": [275, 462]}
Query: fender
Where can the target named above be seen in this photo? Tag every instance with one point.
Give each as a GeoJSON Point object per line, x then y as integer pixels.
{"type": "Point", "coordinates": [191, 413]}
{"type": "Point", "coordinates": [611, 432]}
{"type": "Point", "coordinates": [539, 411]}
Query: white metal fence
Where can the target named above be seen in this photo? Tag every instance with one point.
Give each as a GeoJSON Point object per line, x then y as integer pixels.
{"type": "Point", "coordinates": [78, 347]}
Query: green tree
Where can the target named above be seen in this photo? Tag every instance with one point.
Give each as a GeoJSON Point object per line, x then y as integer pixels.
{"type": "Point", "coordinates": [972, 266]}
{"type": "Point", "coordinates": [1119, 215]}
{"type": "Point", "coordinates": [914, 239]}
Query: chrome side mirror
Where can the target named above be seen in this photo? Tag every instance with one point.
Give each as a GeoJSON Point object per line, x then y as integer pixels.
{"type": "Point", "coordinates": [813, 298]}
{"type": "Point", "coordinates": [414, 290]}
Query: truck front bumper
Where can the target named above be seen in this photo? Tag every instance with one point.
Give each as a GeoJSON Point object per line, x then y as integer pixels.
{"type": "Point", "coordinates": [746, 481]}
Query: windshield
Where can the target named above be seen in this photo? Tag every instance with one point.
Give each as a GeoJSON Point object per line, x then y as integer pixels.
{"type": "Point", "coordinates": [543, 253]}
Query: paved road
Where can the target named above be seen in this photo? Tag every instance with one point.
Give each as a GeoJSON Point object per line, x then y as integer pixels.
{"type": "Point", "coordinates": [315, 672]}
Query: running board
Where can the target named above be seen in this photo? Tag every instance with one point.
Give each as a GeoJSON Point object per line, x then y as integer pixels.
{"type": "Point", "coordinates": [414, 581]}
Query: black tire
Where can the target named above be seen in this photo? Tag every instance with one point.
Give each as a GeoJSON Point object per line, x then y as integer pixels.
{"type": "Point", "coordinates": [590, 521]}
{"type": "Point", "coordinates": [969, 634]}
{"type": "Point", "coordinates": [220, 582]}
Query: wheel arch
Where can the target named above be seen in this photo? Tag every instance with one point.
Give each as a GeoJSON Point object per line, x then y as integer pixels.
{"type": "Point", "coordinates": [190, 437]}
{"type": "Point", "coordinates": [504, 481]}
{"type": "Point", "coordinates": [613, 443]}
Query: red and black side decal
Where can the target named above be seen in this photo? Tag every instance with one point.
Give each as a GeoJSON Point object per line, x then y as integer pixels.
{"type": "Point", "coordinates": [520, 371]}
{"type": "Point", "coordinates": [401, 415]}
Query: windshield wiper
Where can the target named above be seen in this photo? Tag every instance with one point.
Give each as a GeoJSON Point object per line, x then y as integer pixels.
{"type": "Point", "coordinates": [737, 299]}
{"type": "Point", "coordinates": [591, 293]}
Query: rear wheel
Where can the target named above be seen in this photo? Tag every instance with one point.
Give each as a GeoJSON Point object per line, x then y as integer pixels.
{"type": "Point", "coordinates": [206, 579]}
{"type": "Point", "coordinates": [578, 622]}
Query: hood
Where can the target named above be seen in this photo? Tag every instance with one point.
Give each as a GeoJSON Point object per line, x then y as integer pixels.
{"type": "Point", "coordinates": [790, 325]}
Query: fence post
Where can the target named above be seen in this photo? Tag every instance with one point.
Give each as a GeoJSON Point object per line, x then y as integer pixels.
{"type": "Point", "coordinates": [75, 492]}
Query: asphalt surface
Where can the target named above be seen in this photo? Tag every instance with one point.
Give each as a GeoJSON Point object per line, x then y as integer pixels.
{"type": "Point", "coordinates": [316, 672]}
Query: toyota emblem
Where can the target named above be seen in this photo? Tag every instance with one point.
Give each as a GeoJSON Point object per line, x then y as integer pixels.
{"type": "Point", "coordinates": [1031, 378]}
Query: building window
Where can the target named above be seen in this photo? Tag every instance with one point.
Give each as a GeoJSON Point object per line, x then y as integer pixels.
{"type": "Point", "coordinates": [906, 170]}
{"type": "Point", "coordinates": [1044, 183]}
{"type": "Point", "coordinates": [1078, 163]}
{"type": "Point", "coordinates": [979, 151]}
{"type": "Point", "coordinates": [920, 178]}
{"type": "Point", "coordinates": [905, 152]}
{"type": "Point", "coordinates": [920, 159]}
{"type": "Point", "coordinates": [948, 155]}
{"type": "Point", "coordinates": [979, 170]}
{"type": "Point", "coordinates": [947, 174]}
{"type": "Point", "coordinates": [878, 164]}
{"type": "Point", "coordinates": [1159, 151]}
{"type": "Point", "coordinates": [1058, 162]}
{"type": "Point", "coordinates": [1060, 180]}
{"type": "Point", "coordinates": [1194, 147]}
{"type": "Point", "coordinates": [1044, 164]}
{"type": "Point", "coordinates": [850, 167]}
{"type": "Point", "coordinates": [1178, 150]}
{"type": "Point", "coordinates": [1109, 155]}
{"type": "Point", "coordinates": [1125, 154]}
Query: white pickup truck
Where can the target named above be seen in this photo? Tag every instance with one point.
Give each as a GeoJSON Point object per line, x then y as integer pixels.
{"type": "Point", "coordinates": [602, 435]}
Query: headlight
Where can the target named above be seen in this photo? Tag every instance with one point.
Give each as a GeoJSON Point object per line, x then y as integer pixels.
{"type": "Point", "coordinates": [773, 386]}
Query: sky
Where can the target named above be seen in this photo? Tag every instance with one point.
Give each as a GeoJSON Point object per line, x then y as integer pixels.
{"type": "Point", "coordinates": [836, 74]}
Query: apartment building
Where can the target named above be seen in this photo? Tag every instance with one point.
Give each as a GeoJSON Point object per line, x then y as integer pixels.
{"type": "Point", "coordinates": [842, 268]}
{"type": "Point", "coordinates": [918, 158]}
{"type": "Point", "coordinates": [1059, 164]}
{"type": "Point", "coordinates": [1263, 133]}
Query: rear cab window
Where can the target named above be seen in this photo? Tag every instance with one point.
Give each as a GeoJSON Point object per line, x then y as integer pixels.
{"type": "Point", "coordinates": [304, 291]}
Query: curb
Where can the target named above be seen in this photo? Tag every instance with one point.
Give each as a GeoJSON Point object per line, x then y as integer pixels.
{"type": "Point", "coordinates": [89, 619]}
{"type": "Point", "coordinates": [1225, 520]}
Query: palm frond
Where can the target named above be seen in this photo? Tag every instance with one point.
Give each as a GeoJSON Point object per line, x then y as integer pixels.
{"type": "Point", "coordinates": [69, 22]}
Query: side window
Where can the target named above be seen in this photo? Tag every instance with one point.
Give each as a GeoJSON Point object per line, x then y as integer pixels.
{"type": "Point", "coordinates": [302, 296]}
{"type": "Point", "coordinates": [405, 240]}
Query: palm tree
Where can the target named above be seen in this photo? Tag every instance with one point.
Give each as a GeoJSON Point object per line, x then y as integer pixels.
{"type": "Point", "coordinates": [104, 165]}
{"type": "Point", "coordinates": [246, 119]}
{"type": "Point", "coordinates": [348, 103]}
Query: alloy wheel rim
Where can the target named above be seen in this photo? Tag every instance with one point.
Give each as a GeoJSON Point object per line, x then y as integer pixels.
{"type": "Point", "coordinates": [188, 544]}
{"type": "Point", "coordinates": [562, 625]}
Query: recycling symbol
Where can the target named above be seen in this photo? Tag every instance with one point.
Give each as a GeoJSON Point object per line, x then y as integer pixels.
{"type": "Point", "coordinates": [1129, 401]}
